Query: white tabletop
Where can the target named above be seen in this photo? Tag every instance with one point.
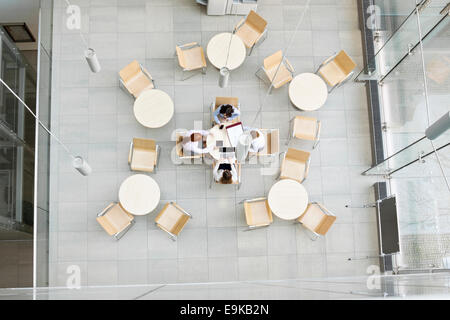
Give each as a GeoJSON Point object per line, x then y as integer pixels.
{"type": "Point", "coordinates": [139, 194]}
{"type": "Point", "coordinates": [308, 91]}
{"type": "Point", "coordinates": [288, 199]}
{"type": "Point", "coordinates": [217, 51]}
{"type": "Point", "coordinates": [216, 134]}
{"type": "Point", "coordinates": [153, 108]}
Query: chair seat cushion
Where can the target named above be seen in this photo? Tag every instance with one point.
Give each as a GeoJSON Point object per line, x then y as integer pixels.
{"type": "Point", "coordinates": [257, 213]}
{"type": "Point", "coordinates": [305, 128]}
{"type": "Point", "coordinates": [312, 218]}
{"type": "Point", "coordinates": [281, 78]}
{"type": "Point", "coordinates": [332, 73]}
{"type": "Point", "coordinates": [143, 160]}
{"type": "Point", "coordinates": [138, 84]}
{"type": "Point", "coordinates": [194, 58]}
{"type": "Point", "coordinates": [115, 220]}
{"type": "Point", "coordinates": [172, 219]}
{"type": "Point", "coordinates": [248, 35]}
{"type": "Point", "coordinates": [292, 169]}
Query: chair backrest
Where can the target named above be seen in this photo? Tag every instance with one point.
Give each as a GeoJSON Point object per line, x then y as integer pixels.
{"type": "Point", "coordinates": [316, 219]}
{"type": "Point", "coordinates": [144, 144]}
{"type": "Point", "coordinates": [130, 71]}
{"type": "Point", "coordinates": [272, 146]}
{"type": "Point", "coordinates": [172, 218]}
{"type": "Point", "coordinates": [273, 60]}
{"type": "Point", "coordinates": [179, 144]}
{"type": "Point", "coordinates": [345, 63]}
{"type": "Point", "coordinates": [256, 21]}
{"type": "Point", "coordinates": [274, 141]}
{"type": "Point", "coordinates": [115, 219]}
{"type": "Point", "coordinates": [226, 100]}
{"type": "Point", "coordinates": [298, 155]}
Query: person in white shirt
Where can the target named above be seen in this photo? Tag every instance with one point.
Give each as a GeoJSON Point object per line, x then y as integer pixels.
{"type": "Point", "coordinates": [194, 142]}
{"type": "Point", "coordinates": [258, 140]}
{"type": "Point", "coordinates": [225, 172]}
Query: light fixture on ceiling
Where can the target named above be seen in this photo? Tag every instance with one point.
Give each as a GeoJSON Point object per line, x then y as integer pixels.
{"type": "Point", "coordinates": [19, 32]}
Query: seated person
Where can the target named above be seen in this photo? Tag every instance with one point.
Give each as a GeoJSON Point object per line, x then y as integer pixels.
{"type": "Point", "coordinates": [194, 142]}
{"type": "Point", "coordinates": [225, 172]}
{"type": "Point", "coordinates": [225, 112]}
{"type": "Point", "coordinates": [258, 140]}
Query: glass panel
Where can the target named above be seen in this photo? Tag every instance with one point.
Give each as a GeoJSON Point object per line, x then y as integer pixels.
{"type": "Point", "coordinates": [17, 134]}
{"type": "Point", "coordinates": [43, 173]}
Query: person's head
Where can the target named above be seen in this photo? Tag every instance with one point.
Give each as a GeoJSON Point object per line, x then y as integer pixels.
{"type": "Point", "coordinates": [226, 110]}
{"type": "Point", "coordinates": [227, 177]}
{"type": "Point", "coordinates": [196, 137]}
{"type": "Point", "coordinates": [254, 134]}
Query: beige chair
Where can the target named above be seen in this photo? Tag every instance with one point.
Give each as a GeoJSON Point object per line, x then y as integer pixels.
{"type": "Point", "coordinates": [305, 128]}
{"type": "Point", "coordinates": [272, 147]}
{"type": "Point", "coordinates": [276, 71]}
{"type": "Point", "coordinates": [252, 30]}
{"type": "Point", "coordinates": [224, 100]}
{"type": "Point", "coordinates": [295, 165]}
{"type": "Point", "coordinates": [172, 219]}
{"type": "Point", "coordinates": [115, 220]}
{"type": "Point", "coordinates": [181, 155]}
{"type": "Point", "coordinates": [135, 79]}
{"type": "Point", "coordinates": [144, 155]}
{"type": "Point", "coordinates": [258, 213]}
{"type": "Point", "coordinates": [191, 57]}
{"type": "Point", "coordinates": [337, 70]}
{"type": "Point", "coordinates": [317, 219]}
{"type": "Point", "coordinates": [238, 169]}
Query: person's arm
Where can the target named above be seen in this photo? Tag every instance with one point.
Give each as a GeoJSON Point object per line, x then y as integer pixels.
{"type": "Point", "coordinates": [234, 173]}
{"type": "Point", "coordinates": [216, 113]}
{"type": "Point", "coordinates": [236, 113]}
{"type": "Point", "coordinates": [216, 171]}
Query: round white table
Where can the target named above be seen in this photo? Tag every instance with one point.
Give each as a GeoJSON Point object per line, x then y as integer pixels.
{"type": "Point", "coordinates": [288, 199]}
{"type": "Point", "coordinates": [217, 51]}
{"type": "Point", "coordinates": [153, 108]}
{"type": "Point", "coordinates": [308, 91]}
{"type": "Point", "coordinates": [139, 194]}
{"type": "Point", "coordinates": [216, 134]}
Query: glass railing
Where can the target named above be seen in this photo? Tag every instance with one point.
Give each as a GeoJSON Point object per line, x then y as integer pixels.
{"type": "Point", "coordinates": [17, 152]}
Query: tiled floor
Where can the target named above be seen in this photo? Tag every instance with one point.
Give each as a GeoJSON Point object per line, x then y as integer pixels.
{"type": "Point", "coordinates": [94, 117]}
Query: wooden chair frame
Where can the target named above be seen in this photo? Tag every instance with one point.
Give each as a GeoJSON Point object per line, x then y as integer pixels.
{"type": "Point", "coordinates": [332, 58]}
{"type": "Point", "coordinates": [157, 150]}
{"type": "Point", "coordinates": [317, 135]}
{"type": "Point", "coordinates": [187, 73]}
{"type": "Point", "coordinates": [172, 236]}
{"type": "Point", "coordinates": [122, 232]}
{"type": "Point", "coordinates": [258, 24]}
{"type": "Point", "coordinates": [238, 169]}
{"type": "Point", "coordinates": [324, 210]}
{"type": "Point", "coordinates": [254, 227]}
{"type": "Point", "coordinates": [123, 86]}
{"type": "Point", "coordinates": [179, 136]}
{"type": "Point", "coordinates": [274, 61]}
{"type": "Point", "coordinates": [224, 100]}
{"type": "Point", "coordinates": [307, 163]}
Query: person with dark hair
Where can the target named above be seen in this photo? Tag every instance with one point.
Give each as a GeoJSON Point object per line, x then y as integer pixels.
{"type": "Point", "coordinates": [225, 172]}
{"type": "Point", "coordinates": [225, 112]}
{"type": "Point", "coordinates": [194, 142]}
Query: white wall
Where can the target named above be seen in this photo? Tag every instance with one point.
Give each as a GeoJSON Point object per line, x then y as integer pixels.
{"type": "Point", "coordinates": [22, 11]}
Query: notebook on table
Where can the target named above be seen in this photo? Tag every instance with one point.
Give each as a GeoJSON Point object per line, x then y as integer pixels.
{"type": "Point", "coordinates": [234, 131]}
